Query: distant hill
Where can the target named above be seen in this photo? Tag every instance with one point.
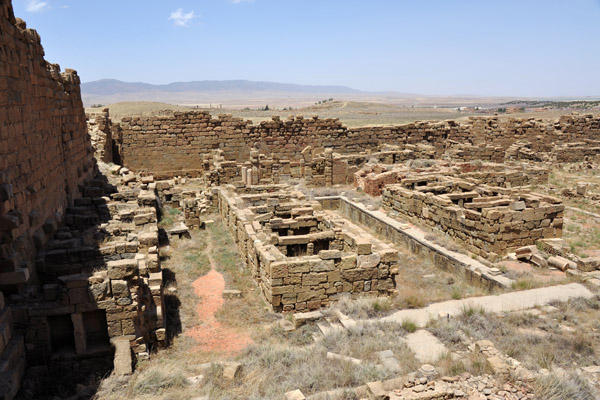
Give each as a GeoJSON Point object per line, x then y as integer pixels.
{"type": "Point", "coordinates": [252, 94]}
{"type": "Point", "coordinates": [112, 90]}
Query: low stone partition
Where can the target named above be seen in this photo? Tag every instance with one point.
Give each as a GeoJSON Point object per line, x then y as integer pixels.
{"type": "Point", "coordinates": [373, 178]}
{"type": "Point", "coordinates": [415, 241]}
{"type": "Point", "coordinates": [504, 175]}
{"type": "Point", "coordinates": [576, 152]}
{"type": "Point", "coordinates": [488, 221]}
{"type": "Point", "coordinates": [300, 259]}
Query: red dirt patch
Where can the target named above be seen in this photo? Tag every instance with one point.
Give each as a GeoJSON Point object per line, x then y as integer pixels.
{"type": "Point", "coordinates": [211, 335]}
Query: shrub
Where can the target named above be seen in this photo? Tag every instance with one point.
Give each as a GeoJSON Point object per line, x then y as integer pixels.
{"type": "Point", "coordinates": [409, 326]}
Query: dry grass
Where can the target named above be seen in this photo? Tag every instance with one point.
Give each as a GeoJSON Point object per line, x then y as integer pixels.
{"type": "Point", "coordinates": [129, 108]}
{"type": "Point", "coordinates": [419, 283]}
{"type": "Point", "coordinates": [183, 262]}
{"type": "Point", "coordinates": [563, 339]}
{"type": "Point", "coordinates": [555, 387]}
{"type": "Point", "coordinates": [474, 363]}
{"type": "Point", "coordinates": [169, 216]}
{"type": "Point", "coordinates": [363, 340]}
{"type": "Point", "coordinates": [581, 232]}
{"type": "Point", "coordinates": [276, 366]}
{"type": "Point", "coordinates": [250, 309]}
{"type": "Point", "coordinates": [445, 242]}
{"type": "Point", "coordinates": [278, 361]}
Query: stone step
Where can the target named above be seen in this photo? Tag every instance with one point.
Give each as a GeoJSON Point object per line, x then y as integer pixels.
{"type": "Point", "coordinates": [345, 320]}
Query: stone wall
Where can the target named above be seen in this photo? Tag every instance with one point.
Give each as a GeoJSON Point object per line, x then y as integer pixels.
{"type": "Point", "coordinates": [488, 221]}
{"type": "Point", "coordinates": [301, 259]}
{"type": "Point", "coordinates": [45, 151]}
{"type": "Point", "coordinates": [100, 129]}
{"type": "Point", "coordinates": [175, 143]}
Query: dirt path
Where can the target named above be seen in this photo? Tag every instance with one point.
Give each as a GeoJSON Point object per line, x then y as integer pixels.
{"type": "Point", "coordinates": [210, 334]}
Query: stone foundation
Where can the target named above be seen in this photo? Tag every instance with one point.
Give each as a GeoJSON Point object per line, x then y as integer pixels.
{"type": "Point", "coordinates": [302, 258]}
{"type": "Point", "coordinates": [488, 221]}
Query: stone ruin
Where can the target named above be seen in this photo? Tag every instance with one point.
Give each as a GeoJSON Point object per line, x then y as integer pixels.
{"type": "Point", "coordinates": [79, 270]}
{"type": "Point", "coordinates": [81, 285]}
{"type": "Point", "coordinates": [300, 255]}
{"type": "Point", "coordinates": [489, 221]}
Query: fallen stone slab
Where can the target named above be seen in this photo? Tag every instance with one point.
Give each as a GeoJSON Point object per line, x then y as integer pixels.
{"type": "Point", "coordinates": [231, 371]}
{"type": "Point", "coordinates": [232, 294]}
{"type": "Point", "coordinates": [300, 319]}
{"type": "Point", "coordinates": [389, 361]}
{"type": "Point", "coordinates": [341, 357]}
{"type": "Point", "coordinates": [195, 380]}
{"type": "Point", "coordinates": [426, 347]}
{"type": "Point", "coordinates": [327, 328]}
{"type": "Point", "coordinates": [122, 362]}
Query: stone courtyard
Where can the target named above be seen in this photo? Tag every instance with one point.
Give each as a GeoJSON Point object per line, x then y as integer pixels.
{"type": "Point", "coordinates": [321, 217]}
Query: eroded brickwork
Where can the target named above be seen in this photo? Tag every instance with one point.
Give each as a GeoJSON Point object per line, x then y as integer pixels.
{"type": "Point", "coordinates": [45, 151]}
{"type": "Point", "coordinates": [488, 221]}
{"type": "Point", "coordinates": [175, 143]}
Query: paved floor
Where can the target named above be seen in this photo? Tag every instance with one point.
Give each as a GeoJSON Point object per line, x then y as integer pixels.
{"type": "Point", "coordinates": [426, 347]}
{"type": "Point", "coordinates": [513, 301]}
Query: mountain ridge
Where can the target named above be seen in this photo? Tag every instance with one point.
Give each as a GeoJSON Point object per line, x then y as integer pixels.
{"type": "Point", "coordinates": [104, 87]}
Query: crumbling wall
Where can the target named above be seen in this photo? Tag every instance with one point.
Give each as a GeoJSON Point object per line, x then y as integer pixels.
{"type": "Point", "coordinates": [174, 144]}
{"type": "Point", "coordinates": [289, 281]}
{"type": "Point", "coordinates": [100, 129]}
{"type": "Point", "coordinates": [45, 151]}
{"type": "Point", "coordinates": [488, 221]}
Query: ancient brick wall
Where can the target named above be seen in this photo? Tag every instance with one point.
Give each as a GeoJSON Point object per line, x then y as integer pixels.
{"type": "Point", "coordinates": [100, 130]}
{"type": "Point", "coordinates": [175, 143]}
{"type": "Point", "coordinates": [45, 151]}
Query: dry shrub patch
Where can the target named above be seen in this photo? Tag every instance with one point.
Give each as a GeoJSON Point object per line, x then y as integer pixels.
{"type": "Point", "coordinates": [572, 386]}
{"type": "Point", "coordinates": [564, 338]}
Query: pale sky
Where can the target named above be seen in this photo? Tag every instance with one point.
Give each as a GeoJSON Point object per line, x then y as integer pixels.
{"type": "Point", "coordinates": [534, 48]}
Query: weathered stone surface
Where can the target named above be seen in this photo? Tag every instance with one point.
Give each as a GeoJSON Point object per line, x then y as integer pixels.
{"type": "Point", "coordinates": [121, 269]}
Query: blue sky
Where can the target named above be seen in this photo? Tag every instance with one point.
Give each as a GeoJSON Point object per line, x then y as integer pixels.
{"type": "Point", "coordinates": [437, 47]}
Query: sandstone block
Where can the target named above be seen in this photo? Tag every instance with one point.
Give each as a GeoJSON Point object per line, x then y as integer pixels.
{"type": "Point", "coordinates": [122, 269]}
{"type": "Point", "coordinates": [368, 261]}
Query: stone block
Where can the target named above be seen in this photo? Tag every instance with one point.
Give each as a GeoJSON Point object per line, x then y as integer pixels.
{"type": "Point", "coordinates": [348, 262]}
{"type": "Point", "coordinates": [368, 261]}
{"type": "Point", "coordinates": [122, 269]}
{"type": "Point", "coordinates": [119, 288]}
{"type": "Point", "coordinates": [330, 254]}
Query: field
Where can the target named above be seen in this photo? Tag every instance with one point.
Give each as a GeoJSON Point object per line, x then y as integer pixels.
{"type": "Point", "coordinates": [351, 114]}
